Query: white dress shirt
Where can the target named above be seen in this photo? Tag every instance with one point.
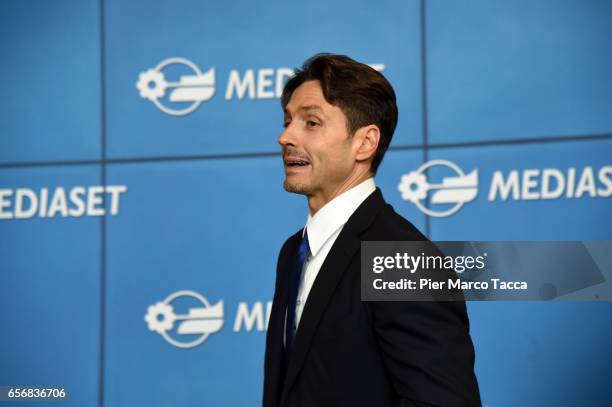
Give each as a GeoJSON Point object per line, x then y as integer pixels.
{"type": "Point", "coordinates": [323, 229]}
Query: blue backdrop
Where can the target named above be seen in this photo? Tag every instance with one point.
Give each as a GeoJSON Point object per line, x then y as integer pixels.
{"type": "Point", "coordinates": [173, 106]}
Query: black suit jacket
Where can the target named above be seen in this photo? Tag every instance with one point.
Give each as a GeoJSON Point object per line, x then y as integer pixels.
{"type": "Point", "coordinates": [377, 354]}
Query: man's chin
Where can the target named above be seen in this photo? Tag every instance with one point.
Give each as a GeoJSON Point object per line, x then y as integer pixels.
{"type": "Point", "coordinates": [296, 187]}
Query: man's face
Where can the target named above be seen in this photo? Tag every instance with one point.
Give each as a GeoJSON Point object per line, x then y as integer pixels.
{"type": "Point", "coordinates": [317, 149]}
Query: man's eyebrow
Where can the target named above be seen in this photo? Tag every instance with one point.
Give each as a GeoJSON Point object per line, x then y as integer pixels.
{"type": "Point", "coordinates": [308, 109]}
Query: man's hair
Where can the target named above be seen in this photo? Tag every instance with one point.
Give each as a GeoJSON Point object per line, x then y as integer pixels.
{"type": "Point", "coordinates": [362, 93]}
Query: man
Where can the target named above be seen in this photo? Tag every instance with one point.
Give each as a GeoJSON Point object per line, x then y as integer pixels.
{"type": "Point", "coordinates": [324, 346]}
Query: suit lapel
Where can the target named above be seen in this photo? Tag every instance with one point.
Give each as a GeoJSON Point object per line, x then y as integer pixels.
{"type": "Point", "coordinates": [345, 247]}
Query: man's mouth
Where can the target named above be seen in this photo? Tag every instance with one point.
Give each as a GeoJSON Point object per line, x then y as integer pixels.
{"type": "Point", "coordinates": [295, 162]}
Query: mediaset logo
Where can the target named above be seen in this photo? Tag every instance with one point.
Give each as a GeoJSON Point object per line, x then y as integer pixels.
{"type": "Point", "coordinates": [25, 203]}
{"type": "Point", "coordinates": [199, 318]}
{"type": "Point", "coordinates": [455, 189]}
{"type": "Point", "coordinates": [177, 86]}
{"type": "Point", "coordinates": [452, 191]}
{"type": "Point", "coordinates": [187, 94]}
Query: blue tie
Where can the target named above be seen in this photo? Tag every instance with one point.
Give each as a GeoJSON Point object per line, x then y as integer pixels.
{"type": "Point", "coordinates": [290, 326]}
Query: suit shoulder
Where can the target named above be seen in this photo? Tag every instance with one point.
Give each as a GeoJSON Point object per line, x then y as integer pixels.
{"type": "Point", "coordinates": [291, 241]}
{"type": "Point", "coordinates": [389, 225]}
{"type": "Point", "coordinates": [286, 251]}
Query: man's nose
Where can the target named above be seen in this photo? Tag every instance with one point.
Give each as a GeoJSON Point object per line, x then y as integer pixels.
{"type": "Point", "coordinates": [287, 137]}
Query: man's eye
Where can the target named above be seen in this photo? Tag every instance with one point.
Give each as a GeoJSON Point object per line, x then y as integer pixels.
{"type": "Point", "coordinates": [311, 123]}
{"type": "Point", "coordinates": [285, 124]}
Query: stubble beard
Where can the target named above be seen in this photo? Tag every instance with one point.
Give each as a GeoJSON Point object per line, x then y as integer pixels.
{"type": "Point", "coordinates": [296, 187]}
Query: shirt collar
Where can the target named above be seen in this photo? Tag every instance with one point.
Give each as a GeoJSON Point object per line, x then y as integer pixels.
{"type": "Point", "coordinates": [335, 213]}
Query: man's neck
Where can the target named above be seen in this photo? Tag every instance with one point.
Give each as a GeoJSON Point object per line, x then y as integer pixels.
{"type": "Point", "coordinates": [317, 201]}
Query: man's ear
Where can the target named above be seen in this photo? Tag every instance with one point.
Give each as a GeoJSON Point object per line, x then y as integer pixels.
{"type": "Point", "coordinates": [366, 139]}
